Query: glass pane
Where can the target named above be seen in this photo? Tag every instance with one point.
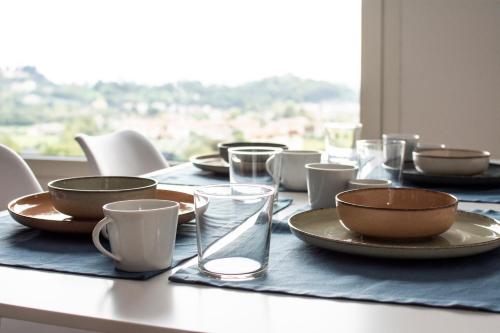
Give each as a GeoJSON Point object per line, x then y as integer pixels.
{"type": "Point", "coordinates": [187, 74]}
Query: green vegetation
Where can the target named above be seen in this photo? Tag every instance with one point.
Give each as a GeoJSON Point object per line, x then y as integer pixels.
{"type": "Point", "coordinates": [184, 118]}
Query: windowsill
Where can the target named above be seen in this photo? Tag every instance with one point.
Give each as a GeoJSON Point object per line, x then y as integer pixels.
{"type": "Point", "coordinates": [54, 158]}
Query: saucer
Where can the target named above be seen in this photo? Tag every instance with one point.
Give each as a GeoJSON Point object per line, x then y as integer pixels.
{"type": "Point", "coordinates": [490, 178]}
{"type": "Point", "coordinates": [212, 162]}
{"type": "Point", "coordinates": [36, 211]}
{"type": "Point", "coordinates": [470, 234]}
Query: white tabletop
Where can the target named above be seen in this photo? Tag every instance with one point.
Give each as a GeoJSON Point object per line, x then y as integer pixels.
{"type": "Point", "coordinates": [157, 305]}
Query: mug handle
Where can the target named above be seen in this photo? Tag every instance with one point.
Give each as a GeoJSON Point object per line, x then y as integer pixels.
{"type": "Point", "coordinates": [270, 167]}
{"type": "Point", "coordinates": [95, 238]}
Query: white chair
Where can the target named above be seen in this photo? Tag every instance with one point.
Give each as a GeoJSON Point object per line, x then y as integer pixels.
{"type": "Point", "coordinates": [16, 177]}
{"type": "Point", "coordinates": [123, 153]}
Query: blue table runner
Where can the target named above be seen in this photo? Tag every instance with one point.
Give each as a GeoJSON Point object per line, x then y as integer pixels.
{"type": "Point", "coordinates": [191, 176]}
{"type": "Point", "coordinates": [298, 268]}
{"type": "Point", "coordinates": [31, 248]}
{"type": "Point", "coordinates": [471, 194]}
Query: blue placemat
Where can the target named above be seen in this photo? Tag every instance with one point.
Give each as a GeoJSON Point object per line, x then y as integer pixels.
{"type": "Point", "coordinates": [191, 175]}
{"type": "Point", "coordinates": [301, 269]}
{"type": "Point", "coordinates": [472, 194]}
{"type": "Point", "coordinates": [30, 248]}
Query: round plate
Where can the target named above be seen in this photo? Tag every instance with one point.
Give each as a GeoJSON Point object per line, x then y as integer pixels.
{"type": "Point", "coordinates": [490, 178]}
{"type": "Point", "coordinates": [36, 211]}
{"type": "Point", "coordinates": [212, 162]}
{"type": "Point", "coordinates": [470, 234]}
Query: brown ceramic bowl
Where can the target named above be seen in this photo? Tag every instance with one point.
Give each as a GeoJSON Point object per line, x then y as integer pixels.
{"type": "Point", "coordinates": [83, 197]}
{"type": "Point", "coordinates": [224, 146]}
{"type": "Point", "coordinates": [399, 213]}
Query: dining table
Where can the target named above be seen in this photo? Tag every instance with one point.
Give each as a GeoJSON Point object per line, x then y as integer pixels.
{"type": "Point", "coordinates": [160, 305]}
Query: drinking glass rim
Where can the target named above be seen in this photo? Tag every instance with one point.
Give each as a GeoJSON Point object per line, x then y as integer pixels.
{"type": "Point", "coordinates": [265, 150]}
{"type": "Point", "coordinates": [270, 191]}
{"type": "Point", "coordinates": [380, 142]}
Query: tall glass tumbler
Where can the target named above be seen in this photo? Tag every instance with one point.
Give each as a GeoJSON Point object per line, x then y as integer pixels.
{"type": "Point", "coordinates": [380, 159]}
{"type": "Point", "coordinates": [233, 223]}
{"type": "Point", "coordinates": [340, 140]}
{"type": "Point", "coordinates": [255, 165]}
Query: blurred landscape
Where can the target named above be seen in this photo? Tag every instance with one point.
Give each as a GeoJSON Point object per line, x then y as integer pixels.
{"type": "Point", "coordinates": [38, 116]}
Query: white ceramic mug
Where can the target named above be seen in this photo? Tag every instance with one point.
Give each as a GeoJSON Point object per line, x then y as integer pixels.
{"type": "Point", "coordinates": [293, 172]}
{"type": "Point", "coordinates": [325, 181]}
{"type": "Point", "coordinates": [141, 233]}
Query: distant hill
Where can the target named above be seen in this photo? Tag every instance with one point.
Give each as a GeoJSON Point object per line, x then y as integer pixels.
{"type": "Point", "coordinates": [30, 95]}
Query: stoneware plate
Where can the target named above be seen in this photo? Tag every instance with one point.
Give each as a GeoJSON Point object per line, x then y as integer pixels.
{"type": "Point", "coordinates": [470, 234]}
{"type": "Point", "coordinates": [490, 178]}
{"type": "Point", "coordinates": [213, 163]}
{"type": "Point", "coordinates": [36, 211]}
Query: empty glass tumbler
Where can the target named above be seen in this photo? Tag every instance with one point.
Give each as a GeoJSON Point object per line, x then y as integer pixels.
{"type": "Point", "coordinates": [380, 159]}
{"type": "Point", "coordinates": [233, 223]}
{"type": "Point", "coordinates": [255, 165]}
{"type": "Point", "coordinates": [340, 140]}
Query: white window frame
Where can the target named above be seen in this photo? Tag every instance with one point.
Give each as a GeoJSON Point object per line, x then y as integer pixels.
{"type": "Point", "coordinates": [380, 102]}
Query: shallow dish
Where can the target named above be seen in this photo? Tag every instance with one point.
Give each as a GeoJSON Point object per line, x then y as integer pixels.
{"type": "Point", "coordinates": [224, 146]}
{"type": "Point", "coordinates": [36, 211]}
{"type": "Point", "coordinates": [212, 163]}
{"type": "Point", "coordinates": [449, 161]}
{"type": "Point", "coordinates": [396, 212]}
{"type": "Point", "coordinates": [83, 197]}
{"type": "Point", "coordinates": [470, 234]}
{"type": "Point", "coordinates": [489, 178]}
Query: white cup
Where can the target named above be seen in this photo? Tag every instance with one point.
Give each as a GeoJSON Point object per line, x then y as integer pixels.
{"type": "Point", "coordinates": [293, 173]}
{"type": "Point", "coordinates": [325, 181]}
{"type": "Point", "coordinates": [410, 139]}
{"type": "Point", "coordinates": [141, 233]}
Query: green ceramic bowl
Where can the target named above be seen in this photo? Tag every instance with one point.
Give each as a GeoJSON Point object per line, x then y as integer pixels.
{"type": "Point", "coordinates": [83, 197]}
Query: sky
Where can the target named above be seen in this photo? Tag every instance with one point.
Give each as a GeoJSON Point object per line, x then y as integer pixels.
{"type": "Point", "coordinates": [158, 41]}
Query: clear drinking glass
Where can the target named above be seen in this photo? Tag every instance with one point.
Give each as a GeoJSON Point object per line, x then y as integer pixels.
{"type": "Point", "coordinates": [233, 223]}
{"type": "Point", "coordinates": [255, 165]}
{"type": "Point", "coordinates": [380, 159]}
{"type": "Point", "coordinates": [340, 140]}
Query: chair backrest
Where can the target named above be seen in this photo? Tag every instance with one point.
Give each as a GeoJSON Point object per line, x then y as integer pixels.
{"type": "Point", "coordinates": [16, 177]}
{"type": "Point", "coordinates": [123, 153]}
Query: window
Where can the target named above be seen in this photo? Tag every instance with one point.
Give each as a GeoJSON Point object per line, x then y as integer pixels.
{"type": "Point", "coordinates": [187, 74]}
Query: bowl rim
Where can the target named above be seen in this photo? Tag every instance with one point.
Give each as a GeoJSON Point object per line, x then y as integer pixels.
{"type": "Point", "coordinates": [371, 181]}
{"type": "Point", "coordinates": [52, 184]}
{"type": "Point", "coordinates": [477, 153]}
{"type": "Point", "coordinates": [330, 167]}
{"type": "Point", "coordinates": [233, 144]}
{"type": "Point", "coordinates": [255, 150]}
{"type": "Point", "coordinates": [347, 203]}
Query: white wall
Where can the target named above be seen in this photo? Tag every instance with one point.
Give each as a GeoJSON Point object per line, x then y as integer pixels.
{"type": "Point", "coordinates": [450, 72]}
{"type": "Point", "coordinates": [440, 72]}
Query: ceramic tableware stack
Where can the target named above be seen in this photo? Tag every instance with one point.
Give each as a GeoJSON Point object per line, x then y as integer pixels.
{"type": "Point", "coordinates": [377, 217]}
{"type": "Point", "coordinates": [74, 205]}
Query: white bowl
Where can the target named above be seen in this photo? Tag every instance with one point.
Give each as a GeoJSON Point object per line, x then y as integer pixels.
{"type": "Point", "coordinates": [448, 161]}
